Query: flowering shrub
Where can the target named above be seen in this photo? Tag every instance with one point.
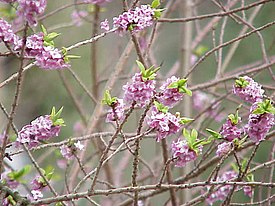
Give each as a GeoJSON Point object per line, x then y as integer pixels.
{"type": "Point", "coordinates": [155, 126]}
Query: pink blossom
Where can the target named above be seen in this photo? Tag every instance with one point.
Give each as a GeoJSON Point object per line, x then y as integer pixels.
{"type": "Point", "coordinates": [30, 9]}
{"type": "Point", "coordinates": [7, 35]}
{"type": "Point", "coordinates": [164, 123]}
{"type": "Point", "coordinates": [183, 153]}
{"type": "Point", "coordinates": [51, 58]}
{"type": "Point", "coordinates": [259, 125]}
{"type": "Point", "coordinates": [223, 148]}
{"type": "Point", "coordinates": [66, 152]}
{"type": "Point", "coordinates": [41, 128]}
{"type": "Point", "coordinates": [105, 25]}
{"type": "Point", "coordinates": [252, 92]}
{"type": "Point", "coordinates": [170, 96]}
{"type": "Point", "coordinates": [134, 20]}
{"type": "Point", "coordinates": [230, 131]}
{"type": "Point", "coordinates": [222, 192]}
{"type": "Point", "coordinates": [139, 90]}
{"type": "Point", "coordinates": [118, 111]}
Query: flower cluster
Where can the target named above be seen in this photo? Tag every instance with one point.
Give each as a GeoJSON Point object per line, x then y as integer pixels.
{"type": "Point", "coordinates": [230, 131]}
{"type": "Point", "coordinates": [30, 9]}
{"type": "Point", "coordinates": [165, 124]}
{"type": "Point", "coordinates": [223, 148]}
{"type": "Point", "coordinates": [248, 90]}
{"type": "Point", "coordinates": [170, 96]}
{"type": "Point", "coordinates": [40, 129]}
{"type": "Point", "coordinates": [258, 124]}
{"type": "Point", "coordinates": [134, 20]}
{"type": "Point", "coordinates": [51, 58]}
{"type": "Point", "coordinates": [117, 111]}
{"type": "Point", "coordinates": [34, 45]}
{"type": "Point", "coordinates": [222, 192]}
{"type": "Point", "coordinates": [139, 90]}
{"type": "Point", "coordinates": [7, 35]}
{"type": "Point", "coordinates": [69, 150]}
{"type": "Point", "coordinates": [183, 153]}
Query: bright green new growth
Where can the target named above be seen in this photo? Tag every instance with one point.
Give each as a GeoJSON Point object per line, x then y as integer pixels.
{"type": "Point", "coordinates": [161, 107]}
{"type": "Point", "coordinates": [107, 99]}
{"type": "Point", "coordinates": [241, 82]}
{"type": "Point", "coordinates": [181, 86]}
{"type": "Point", "coordinates": [55, 117]}
{"type": "Point", "coordinates": [264, 107]}
{"type": "Point", "coordinates": [147, 74]}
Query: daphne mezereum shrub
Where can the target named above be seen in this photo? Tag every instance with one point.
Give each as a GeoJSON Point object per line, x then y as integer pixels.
{"type": "Point", "coordinates": [166, 129]}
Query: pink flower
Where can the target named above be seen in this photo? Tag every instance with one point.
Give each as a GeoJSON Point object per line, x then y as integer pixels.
{"type": "Point", "coordinates": [139, 91]}
{"type": "Point", "coordinates": [134, 20]}
{"type": "Point", "coordinates": [223, 148]}
{"type": "Point", "coordinates": [118, 110]}
{"type": "Point", "coordinates": [66, 152]}
{"type": "Point", "coordinates": [248, 90]}
{"type": "Point", "coordinates": [183, 153]}
{"type": "Point", "coordinates": [41, 128]}
{"type": "Point", "coordinates": [105, 25]}
{"type": "Point", "coordinates": [34, 44]}
{"type": "Point", "coordinates": [222, 192]}
{"type": "Point", "coordinates": [51, 58]}
{"type": "Point", "coordinates": [259, 125]}
{"type": "Point", "coordinates": [7, 35]}
{"type": "Point", "coordinates": [30, 9]}
{"type": "Point", "coordinates": [230, 131]}
{"type": "Point", "coordinates": [170, 96]}
{"type": "Point", "coordinates": [247, 191]}
{"type": "Point", "coordinates": [164, 123]}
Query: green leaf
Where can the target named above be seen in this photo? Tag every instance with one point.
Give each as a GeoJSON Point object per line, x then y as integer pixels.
{"type": "Point", "coordinates": [161, 107]}
{"type": "Point", "coordinates": [55, 117]}
{"type": "Point", "coordinates": [184, 120]}
{"type": "Point", "coordinates": [52, 36]}
{"type": "Point", "coordinates": [43, 29]}
{"type": "Point", "coordinates": [155, 4]}
{"type": "Point", "coordinates": [17, 174]}
{"type": "Point", "coordinates": [107, 99]}
{"type": "Point", "coordinates": [241, 82]}
{"type": "Point", "coordinates": [140, 66]}
{"type": "Point", "coordinates": [214, 134]}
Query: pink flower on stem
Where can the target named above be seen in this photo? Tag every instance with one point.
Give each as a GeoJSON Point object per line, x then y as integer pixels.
{"type": "Point", "coordinates": [117, 112]}
{"type": "Point", "coordinates": [30, 9]}
{"type": "Point", "coordinates": [248, 90]}
{"type": "Point", "coordinates": [183, 153]}
{"type": "Point", "coordinates": [172, 91]}
{"type": "Point", "coordinates": [223, 148]}
{"type": "Point", "coordinates": [105, 25]}
{"type": "Point", "coordinates": [51, 58]}
{"type": "Point", "coordinates": [134, 20]}
{"type": "Point", "coordinates": [222, 192]}
{"type": "Point", "coordinates": [260, 121]}
{"type": "Point", "coordinates": [7, 35]}
{"type": "Point", "coordinates": [230, 131]}
{"type": "Point", "coordinates": [139, 90]}
{"type": "Point", "coordinates": [165, 124]}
